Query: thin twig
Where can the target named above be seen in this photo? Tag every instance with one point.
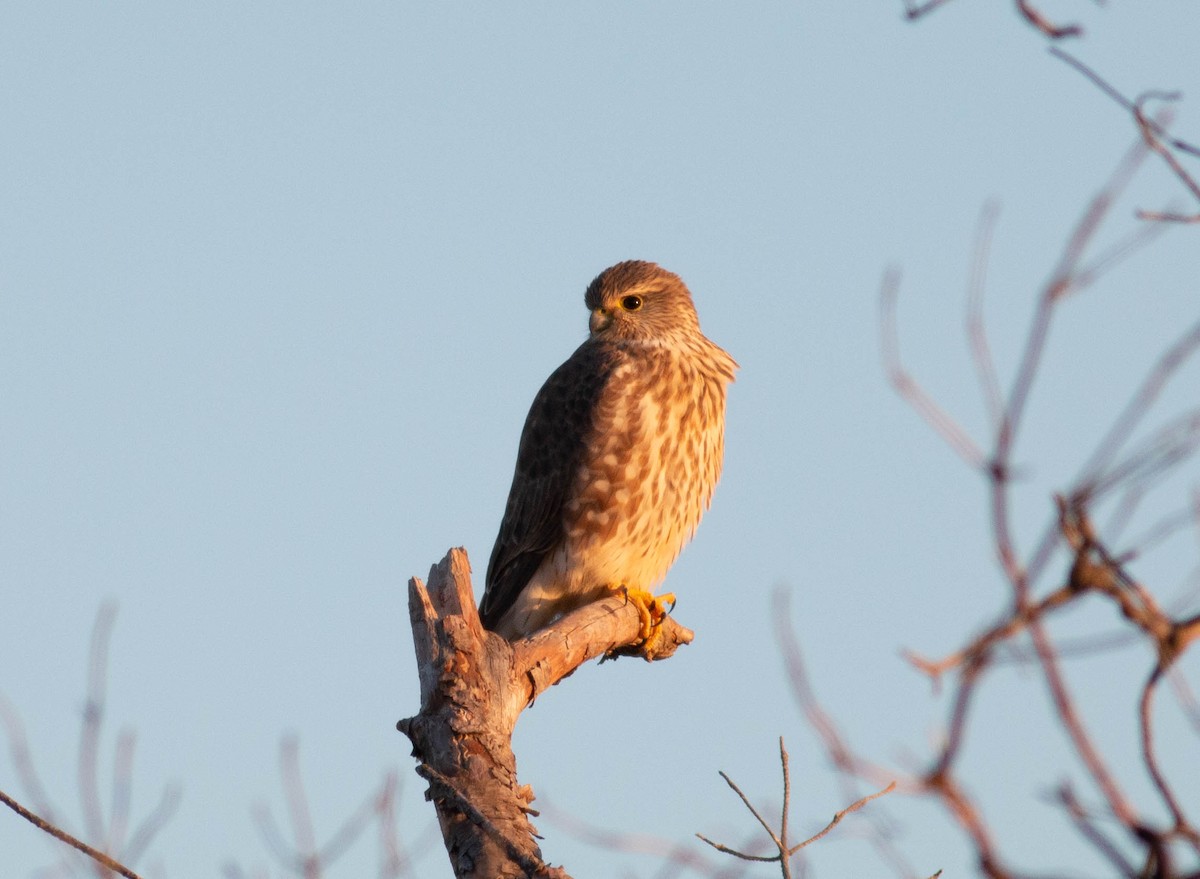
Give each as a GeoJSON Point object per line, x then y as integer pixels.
{"type": "Point", "coordinates": [1154, 135]}
{"type": "Point", "coordinates": [305, 856]}
{"type": "Point", "coordinates": [60, 834]}
{"type": "Point", "coordinates": [1064, 705]}
{"type": "Point", "coordinates": [1108, 89]}
{"type": "Point", "coordinates": [1169, 364]}
{"type": "Point", "coordinates": [297, 803]}
{"type": "Point", "coordinates": [914, 11]}
{"type": "Point", "coordinates": [787, 799]}
{"type": "Point", "coordinates": [1150, 758]}
{"type": "Point", "coordinates": [22, 760]}
{"type": "Point", "coordinates": [122, 790]}
{"type": "Point", "coordinates": [753, 811]}
{"type": "Point", "coordinates": [1043, 24]}
{"type": "Point", "coordinates": [1150, 133]}
{"type": "Point", "coordinates": [981, 353]}
{"type": "Point", "coordinates": [1083, 823]}
{"type": "Point", "coordinates": [909, 389]}
{"type": "Point", "coordinates": [93, 717]}
{"type": "Point", "coordinates": [784, 852]}
{"type": "Point", "coordinates": [149, 827]}
{"type": "Point", "coordinates": [837, 818]}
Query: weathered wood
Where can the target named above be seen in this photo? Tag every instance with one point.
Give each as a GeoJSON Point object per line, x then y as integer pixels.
{"type": "Point", "coordinates": [474, 686]}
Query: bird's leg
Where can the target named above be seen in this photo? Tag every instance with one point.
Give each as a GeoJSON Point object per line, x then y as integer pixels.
{"type": "Point", "coordinates": [652, 609]}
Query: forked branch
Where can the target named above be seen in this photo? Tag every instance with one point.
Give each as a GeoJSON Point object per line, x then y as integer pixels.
{"type": "Point", "coordinates": [779, 838]}
{"type": "Point", "coordinates": [474, 686]}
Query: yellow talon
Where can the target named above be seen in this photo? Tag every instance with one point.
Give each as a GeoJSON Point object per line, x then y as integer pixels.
{"type": "Point", "coordinates": [652, 610]}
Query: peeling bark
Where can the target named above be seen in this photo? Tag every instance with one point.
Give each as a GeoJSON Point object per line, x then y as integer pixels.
{"type": "Point", "coordinates": [474, 686]}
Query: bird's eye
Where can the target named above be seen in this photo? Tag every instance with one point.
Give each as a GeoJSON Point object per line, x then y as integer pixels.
{"type": "Point", "coordinates": [631, 303]}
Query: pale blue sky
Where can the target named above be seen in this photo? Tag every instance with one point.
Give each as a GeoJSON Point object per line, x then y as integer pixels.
{"type": "Point", "coordinates": [279, 281]}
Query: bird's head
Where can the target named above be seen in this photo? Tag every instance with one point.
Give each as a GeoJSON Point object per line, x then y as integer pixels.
{"type": "Point", "coordinates": [639, 301]}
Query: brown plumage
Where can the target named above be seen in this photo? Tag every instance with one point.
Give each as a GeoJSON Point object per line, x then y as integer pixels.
{"type": "Point", "coordinates": [618, 459]}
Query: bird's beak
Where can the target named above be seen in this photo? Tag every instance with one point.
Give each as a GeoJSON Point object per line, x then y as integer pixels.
{"type": "Point", "coordinates": [599, 320]}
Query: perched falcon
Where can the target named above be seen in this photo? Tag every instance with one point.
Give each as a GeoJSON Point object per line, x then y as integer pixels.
{"type": "Point", "coordinates": [618, 460]}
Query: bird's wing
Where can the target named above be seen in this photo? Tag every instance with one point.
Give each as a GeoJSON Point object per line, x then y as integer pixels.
{"type": "Point", "coordinates": [553, 444]}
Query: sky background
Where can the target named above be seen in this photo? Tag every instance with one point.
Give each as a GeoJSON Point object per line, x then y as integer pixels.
{"type": "Point", "coordinates": [278, 283]}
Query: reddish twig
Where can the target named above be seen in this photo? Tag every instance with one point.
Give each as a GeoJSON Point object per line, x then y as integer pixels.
{"type": "Point", "coordinates": [1150, 757]}
{"type": "Point", "coordinates": [913, 11]}
{"type": "Point", "coordinates": [1043, 24]}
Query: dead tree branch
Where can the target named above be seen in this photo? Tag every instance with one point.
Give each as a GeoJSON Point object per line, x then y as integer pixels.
{"type": "Point", "coordinates": [474, 686]}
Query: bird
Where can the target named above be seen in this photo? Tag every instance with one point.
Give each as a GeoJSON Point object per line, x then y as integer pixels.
{"type": "Point", "coordinates": [618, 460]}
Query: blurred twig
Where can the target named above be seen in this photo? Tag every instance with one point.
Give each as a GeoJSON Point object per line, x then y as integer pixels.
{"type": "Point", "coordinates": [1153, 132]}
{"type": "Point", "coordinates": [914, 10]}
{"type": "Point", "coordinates": [110, 833]}
{"type": "Point", "coordinates": [303, 856]}
{"type": "Point", "coordinates": [676, 859]}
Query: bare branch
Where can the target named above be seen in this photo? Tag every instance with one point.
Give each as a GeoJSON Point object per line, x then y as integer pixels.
{"type": "Point", "coordinates": [913, 11]}
{"type": "Point", "coordinates": [58, 833]}
{"type": "Point", "coordinates": [837, 818]}
{"type": "Point", "coordinates": [1150, 757]}
{"type": "Point", "coordinates": [1150, 133]}
{"type": "Point", "coordinates": [784, 852]}
{"type": "Point", "coordinates": [22, 758]}
{"type": "Point", "coordinates": [1153, 132]}
{"type": "Point", "coordinates": [150, 826]}
{"type": "Point", "coordinates": [909, 389]}
{"type": "Point", "coordinates": [1169, 364]}
{"type": "Point", "coordinates": [981, 353]}
{"type": "Point", "coordinates": [93, 715]}
{"type": "Point", "coordinates": [1086, 826]}
{"type": "Point", "coordinates": [1039, 21]}
{"type": "Point", "coordinates": [298, 811]}
{"type": "Point", "coordinates": [753, 811]}
{"type": "Point", "coordinates": [122, 790]}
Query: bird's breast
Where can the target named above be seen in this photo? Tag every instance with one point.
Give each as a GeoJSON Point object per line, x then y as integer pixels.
{"type": "Point", "coordinates": [651, 462]}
